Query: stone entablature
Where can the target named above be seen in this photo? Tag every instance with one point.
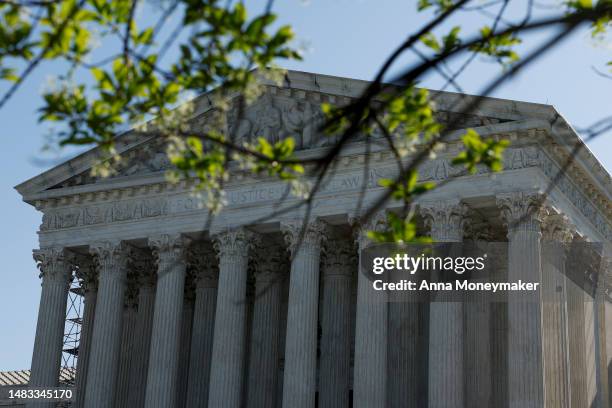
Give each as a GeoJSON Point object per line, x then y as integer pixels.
{"type": "Point", "coordinates": [163, 199]}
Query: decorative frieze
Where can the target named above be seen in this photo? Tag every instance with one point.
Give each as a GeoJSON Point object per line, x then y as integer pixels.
{"type": "Point", "coordinates": [65, 214]}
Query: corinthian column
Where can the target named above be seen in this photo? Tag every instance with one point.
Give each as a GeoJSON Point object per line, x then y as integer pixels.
{"type": "Point", "coordinates": [446, 381]}
{"type": "Point", "coordinates": [300, 376]}
{"type": "Point", "coordinates": [265, 336]}
{"type": "Point", "coordinates": [106, 342]}
{"type": "Point", "coordinates": [206, 275]}
{"type": "Point", "coordinates": [556, 233]}
{"type": "Point", "coordinates": [128, 339]}
{"type": "Point", "coordinates": [226, 376]}
{"type": "Point", "coordinates": [162, 375]}
{"type": "Point", "coordinates": [55, 272]}
{"type": "Point", "coordinates": [86, 273]}
{"type": "Point", "coordinates": [370, 371]}
{"type": "Point", "coordinates": [145, 269]}
{"type": "Point", "coordinates": [522, 215]}
{"type": "Point", "coordinates": [336, 326]}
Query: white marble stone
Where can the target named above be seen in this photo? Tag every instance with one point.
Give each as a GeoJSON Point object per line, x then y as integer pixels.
{"type": "Point", "coordinates": [299, 383]}
{"type": "Point", "coordinates": [169, 252]}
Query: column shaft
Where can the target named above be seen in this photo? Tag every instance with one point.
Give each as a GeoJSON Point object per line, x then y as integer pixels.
{"type": "Point", "coordinates": [370, 367]}
{"type": "Point", "coordinates": [106, 342]}
{"type": "Point", "coordinates": [47, 354]}
{"type": "Point", "coordinates": [300, 376]}
{"type": "Point", "coordinates": [446, 343]}
{"type": "Point", "coordinates": [185, 353]}
{"type": "Point", "coordinates": [128, 335]}
{"type": "Point", "coordinates": [226, 376]}
{"type": "Point", "coordinates": [201, 346]}
{"type": "Point", "coordinates": [165, 338]}
{"type": "Point", "coordinates": [336, 328]}
{"type": "Point", "coordinates": [265, 332]}
{"type": "Point", "coordinates": [525, 376]}
{"type": "Point", "coordinates": [85, 345]}
{"type": "Point", "coordinates": [144, 326]}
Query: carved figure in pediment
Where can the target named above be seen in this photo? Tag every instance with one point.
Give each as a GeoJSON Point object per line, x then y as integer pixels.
{"type": "Point", "coordinates": [268, 120]}
{"type": "Point", "coordinates": [241, 130]}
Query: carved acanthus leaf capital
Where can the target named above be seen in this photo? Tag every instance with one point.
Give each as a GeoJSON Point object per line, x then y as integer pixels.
{"type": "Point", "coordinates": [339, 259]}
{"type": "Point", "coordinates": [376, 222]}
{"type": "Point", "coordinates": [86, 272]}
{"type": "Point", "coordinates": [269, 263]}
{"type": "Point", "coordinates": [53, 264]}
{"type": "Point", "coordinates": [234, 243]}
{"type": "Point", "coordinates": [111, 257]}
{"type": "Point", "coordinates": [202, 266]}
{"type": "Point", "coordinates": [556, 227]}
{"type": "Point", "coordinates": [445, 219]}
{"type": "Point", "coordinates": [168, 250]}
{"type": "Point", "coordinates": [521, 211]}
{"type": "Point", "coordinates": [300, 236]}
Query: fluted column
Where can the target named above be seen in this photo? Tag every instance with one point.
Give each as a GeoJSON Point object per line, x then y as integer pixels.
{"type": "Point", "coordinates": [336, 326]}
{"type": "Point", "coordinates": [370, 367]}
{"type": "Point", "coordinates": [162, 375]}
{"type": "Point", "coordinates": [86, 273]}
{"type": "Point", "coordinates": [145, 269]}
{"type": "Point", "coordinates": [55, 271]}
{"type": "Point", "coordinates": [522, 215]}
{"type": "Point", "coordinates": [300, 376]}
{"type": "Point", "coordinates": [446, 363]}
{"type": "Point", "coordinates": [206, 274]}
{"type": "Point", "coordinates": [265, 329]}
{"type": "Point", "coordinates": [128, 339]}
{"type": "Point", "coordinates": [226, 376]}
{"type": "Point", "coordinates": [106, 342]}
{"type": "Point", "coordinates": [477, 320]}
{"type": "Point", "coordinates": [556, 233]}
{"type": "Point", "coordinates": [185, 349]}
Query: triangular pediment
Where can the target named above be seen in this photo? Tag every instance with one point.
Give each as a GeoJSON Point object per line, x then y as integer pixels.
{"type": "Point", "coordinates": [292, 108]}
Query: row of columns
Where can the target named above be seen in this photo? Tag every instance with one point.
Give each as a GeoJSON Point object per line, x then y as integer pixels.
{"type": "Point", "coordinates": [219, 328]}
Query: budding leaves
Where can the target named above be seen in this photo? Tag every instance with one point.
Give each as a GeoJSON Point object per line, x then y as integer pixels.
{"type": "Point", "coordinates": [488, 152]}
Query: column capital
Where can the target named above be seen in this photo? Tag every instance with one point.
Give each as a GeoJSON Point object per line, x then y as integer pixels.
{"type": "Point", "coordinates": [234, 242]}
{"type": "Point", "coordinates": [111, 257]}
{"type": "Point", "coordinates": [445, 219]}
{"type": "Point", "coordinates": [52, 264]}
{"type": "Point", "coordinates": [299, 235]}
{"type": "Point", "coordinates": [338, 260]}
{"type": "Point", "coordinates": [202, 267]}
{"type": "Point", "coordinates": [556, 227]}
{"type": "Point", "coordinates": [268, 263]}
{"type": "Point", "coordinates": [521, 211]}
{"type": "Point", "coordinates": [376, 222]}
{"type": "Point", "coordinates": [86, 272]}
{"type": "Point", "coordinates": [168, 250]}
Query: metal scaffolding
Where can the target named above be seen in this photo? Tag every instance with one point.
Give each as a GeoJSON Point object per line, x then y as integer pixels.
{"type": "Point", "coordinates": [72, 328]}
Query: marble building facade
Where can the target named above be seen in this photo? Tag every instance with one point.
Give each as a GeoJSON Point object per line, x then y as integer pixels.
{"type": "Point", "coordinates": [245, 309]}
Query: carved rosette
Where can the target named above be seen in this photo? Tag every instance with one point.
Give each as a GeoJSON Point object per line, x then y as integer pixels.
{"type": "Point", "coordinates": [202, 268]}
{"type": "Point", "coordinates": [234, 243]}
{"type": "Point", "coordinates": [338, 260]}
{"type": "Point", "coordinates": [304, 237]}
{"type": "Point", "coordinates": [111, 258]}
{"type": "Point", "coordinates": [168, 250]}
{"type": "Point", "coordinates": [521, 211]}
{"type": "Point", "coordinates": [53, 265]}
{"type": "Point", "coordinates": [445, 219]}
{"type": "Point", "coordinates": [377, 222]}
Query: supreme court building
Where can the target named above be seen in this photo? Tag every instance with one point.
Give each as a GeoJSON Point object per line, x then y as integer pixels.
{"type": "Point", "coordinates": [183, 310]}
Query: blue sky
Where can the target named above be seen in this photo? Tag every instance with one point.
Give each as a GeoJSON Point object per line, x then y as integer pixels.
{"type": "Point", "coordinates": [342, 37]}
